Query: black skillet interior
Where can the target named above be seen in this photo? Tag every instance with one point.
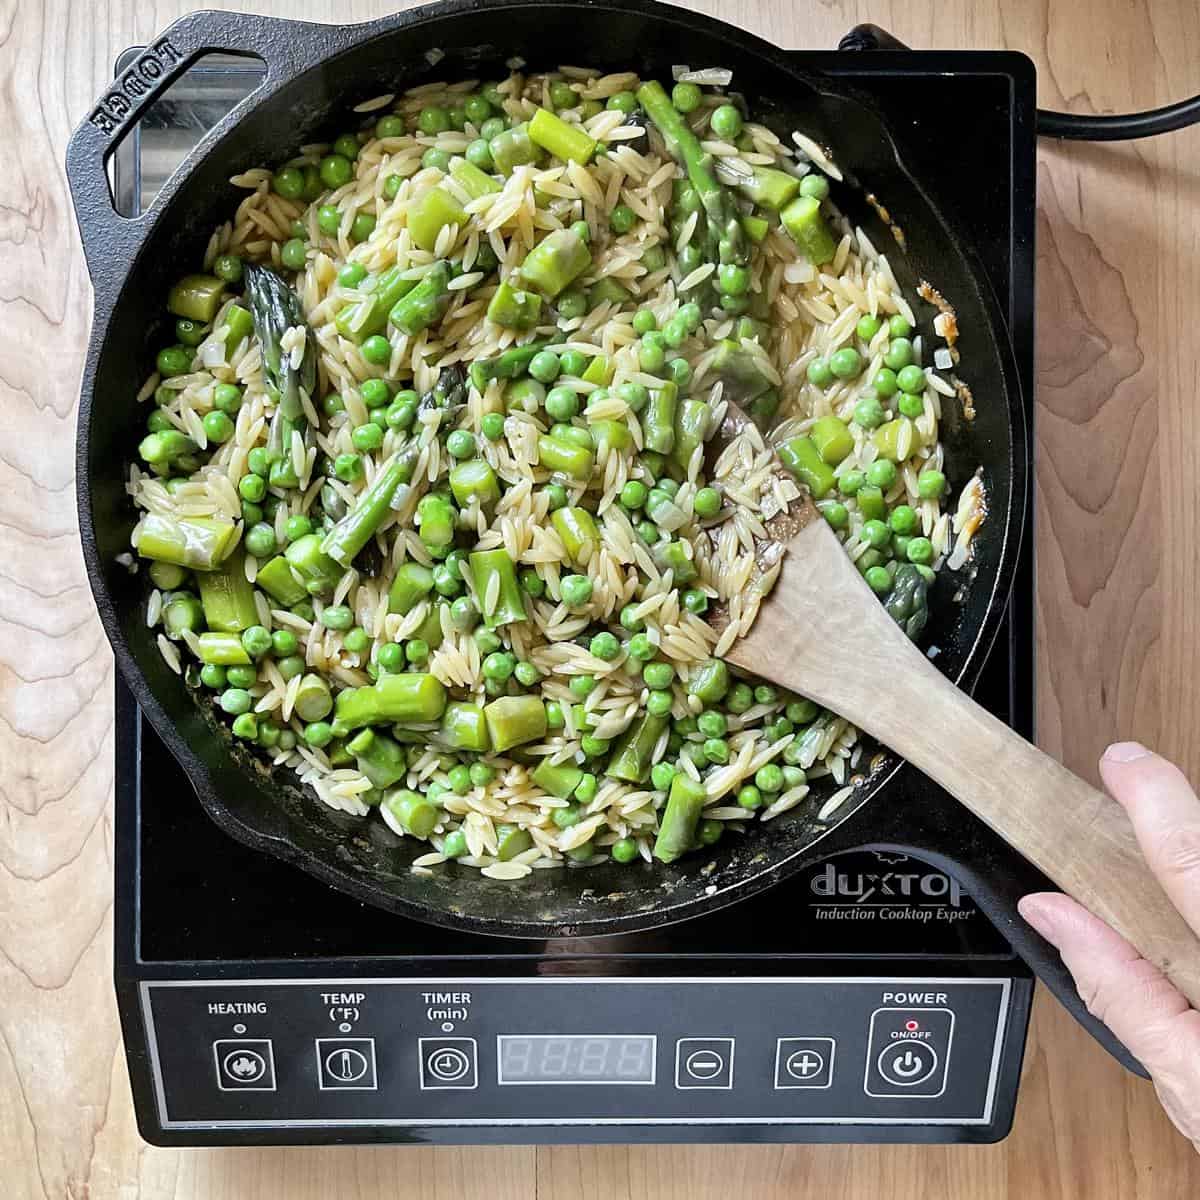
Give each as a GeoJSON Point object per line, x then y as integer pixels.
{"type": "Point", "coordinates": [316, 74]}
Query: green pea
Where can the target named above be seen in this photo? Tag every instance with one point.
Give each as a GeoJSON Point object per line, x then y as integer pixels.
{"type": "Point", "coordinates": [491, 127]}
{"type": "Point", "coordinates": [391, 186]}
{"type": "Point", "coordinates": [390, 126]}
{"type": "Point", "coordinates": [252, 514]}
{"type": "Point", "coordinates": [686, 97]}
{"type": "Point", "coordinates": [348, 467]}
{"type": "Point", "coordinates": [362, 227]}
{"type": "Point", "coordinates": [292, 254]}
{"type": "Point", "coordinates": [461, 444]}
{"type": "Point", "coordinates": [768, 778]}
{"type": "Point", "coordinates": [213, 676]}
{"type": "Point", "coordinates": [624, 850]}
{"type": "Point", "coordinates": [158, 421]}
{"type": "Point", "coordinates": [846, 363]}
{"type": "Point", "coordinates": [259, 461]}
{"type": "Point", "coordinates": [875, 533]}
{"type": "Point", "coordinates": [288, 183]}
{"type": "Point", "coordinates": [477, 109]}
{"type": "Point", "coordinates": [604, 646]}
{"type": "Point", "coordinates": [491, 425]}
{"type": "Point", "coordinates": [879, 580]}
{"type": "Point", "coordinates": [400, 414]}
{"type": "Point", "coordinates": [377, 350]}
{"type": "Point", "coordinates": [909, 405]}
{"type": "Point", "coordinates": [235, 701]}
{"type": "Point", "coordinates": [576, 590]}
{"type": "Point", "coordinates": [285, 642]}
{"type": "Point", "coordinates": [482, 774]}
{"type": "Point", "coordinates": [835, 513]}
{"type": "Point", "coordinates": [333, 404]}
{"type": "Point", "coordinates": [679, 371]}
{"type": "Point", "coordinates": [885, 382]}
{"type": "Point", "coordinates": [318, 734]}
{"type": "Point", "coordinates": [712, 723]}
{"type": "Point", "coordinates": [868, 411]}
{"type": "Point", "coordinates": [246, 726]}
{"type": "Point", "coordinates": [337, 616]}
{"type": "Point", "coordinates": [648, 532]}
{"type": "Point", "coordinates": [526, 674]}
{"type": "Point", "coordinates": [850, 483]}
{"type": "Point", "coordinates": [437, 159]}
{"type": "Point", "coordinates": [592, 746]}
{"type": "Point", "coordinates": [688, 258]}
{"type": "Point", "coordinates": [749, 797]}
{"type": "Point", "coordinates": [726, 122]}
{"type": "Point", "coordinates": [695, 601]}
{"type": "Point", "coordinates": [174, 360]}
{"type": "Point", "coordinates": [881, 473]}
{"type": "Point", "coordinates": [554, 715]}
{"type": "Point", "coordinates": [367, 437]}
{"type": "Point", "coordinates": [920, 551]}
{"type": "Point", "coordinates": [252, 488]}
{"type": "Point", "coordinates": [562, 403]}
{"type": "Point", "coordinates": [623, 102]}
{"type": "Point", "coordinates": [190, 333]}
{"type": "Point", "coordinates": [764, 693]}
{"type": "Point", "coordinates": [899, 354]}
{"type": "Point", "coordinates": [585, 789]}
{"type": "Point", "coordinates": [899, 327]}
{"type": "Point", "coordinates": [931, 484]}
{"type": "Point", "coordinates": [911, 379]}
{"type": "Point", "coordinates": [433, 120]}
{"type": "Point", "coordinates": [659, 704]}
{"type": "Point", "coordinates": [227, 398]}
{"type": "Point", "coordinates": [545, 366]}
{"type": "Point", "coordinates": [814, 185]}
{"type": "Point", "coordinates": [228, 267]}
{"type": "Point", "coordinates": [556, 496]}
{"type": "Point", "coordinates": [260, 540]}
{"type": "Point", "coordinates": [622, 219]}
{"type": "Point", "coordinates": [390, 657]}
{"type": "Point", "coordinates": [707, 503]}
{"type": "Point", "coordinates": [582, 685]}
{"type": "Point", "coordinates": [658, 676]}
{"type": "Point", "coordinates": [867, 327]}
{"type": "Point", "coordinates": [740, 698]}
{"type": "Point", "coordinates": [463, 614]}
{"type": "Point", "coordinates": [499, 665]}
{"type": "Point", "coordinates": [242, 676]}
{"type": "Point", "coordinates": [652, 352]}
{"type": "Point", "coordinates": [329, 219]}
{"type": "Point", "coordinates": [291, 665]}
{"type": "Point", "coordinates": [218, 428]}
{"type": "Point", "coordinates": [336, 170]}
{"type": "Point", "coordinates": [819, 373]}
{"type": "Point", "coordinates": [458, 779]}
{"type": "Point", "coordinates": [716, 750]}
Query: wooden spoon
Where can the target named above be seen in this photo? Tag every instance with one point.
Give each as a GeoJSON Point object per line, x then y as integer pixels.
{"type": "Point", "coordinates": [823, 633]}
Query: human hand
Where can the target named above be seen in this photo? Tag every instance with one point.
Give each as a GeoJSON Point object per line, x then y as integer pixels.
{"type": "Point", "coordinates": [1130, 995]}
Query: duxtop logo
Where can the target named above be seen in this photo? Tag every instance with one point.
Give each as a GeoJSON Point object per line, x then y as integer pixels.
{"type": "Point", "coordinates": [891, 894]}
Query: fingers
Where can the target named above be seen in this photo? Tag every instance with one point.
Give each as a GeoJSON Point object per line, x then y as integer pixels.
{"type": "Point", "coordinates": [1132, 997]}
{"type": "Point", "coordinates": [1166, 819]}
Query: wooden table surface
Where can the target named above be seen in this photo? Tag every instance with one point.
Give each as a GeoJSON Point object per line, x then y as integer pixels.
{"type": "Point", "coordinates": [1118, 523]}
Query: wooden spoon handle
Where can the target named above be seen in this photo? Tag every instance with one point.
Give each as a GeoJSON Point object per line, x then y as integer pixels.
{"type": "Point", "coordinates": [823, 634]}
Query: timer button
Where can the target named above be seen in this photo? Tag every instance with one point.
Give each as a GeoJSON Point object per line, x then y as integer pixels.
{"type": "Point", "coordinates": [448, 1064]}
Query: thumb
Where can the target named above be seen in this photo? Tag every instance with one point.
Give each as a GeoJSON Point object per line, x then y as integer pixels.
{"type": "Point", "coordinates": [1132, 997]}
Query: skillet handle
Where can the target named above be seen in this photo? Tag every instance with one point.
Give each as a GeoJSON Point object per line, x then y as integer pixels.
{"type": "Point", "coordinates": [285, 47]}
{"type": "Point", "coordinates": [995, 879]}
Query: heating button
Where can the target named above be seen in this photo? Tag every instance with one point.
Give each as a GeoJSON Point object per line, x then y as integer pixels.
{"type": "Point", "coordinates": [909, 1052]}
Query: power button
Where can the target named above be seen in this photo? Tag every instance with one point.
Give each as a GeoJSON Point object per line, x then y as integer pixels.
{"type": "Point", "coordinates": [908, 1052]}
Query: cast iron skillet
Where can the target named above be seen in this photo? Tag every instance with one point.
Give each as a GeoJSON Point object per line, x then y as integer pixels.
{"type": "Point", "coordinates": [314, 75]}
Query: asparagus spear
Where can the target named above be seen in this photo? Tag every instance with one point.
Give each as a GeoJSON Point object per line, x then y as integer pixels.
{"type": "Point", "coordinates": [228, 596]}
{"type": "Point", "coordinates": [684, 146]}
{"type": "Point", "coordinates": [356, 528]}
{"type": "Point", "coordinates": [680, 816]}
{"type": "Point", "coordinates": [512, 364]}
{"type": "Point", "coordinates": [425, 304]}
{"type": "Point", "coordinates": [394, 698]}
{"type": "Point", "coordinates": [380, 295]}
{"type": "Point", "coordinates": [631, 758]}
{"type": "Point", "coordinates": [196, 542]}
{"type": "Point", "coordinates": [509, 604]}
{"type": "Point", "coordinates": [276, 309]}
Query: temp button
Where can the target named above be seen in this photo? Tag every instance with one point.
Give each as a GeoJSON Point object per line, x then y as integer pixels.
{"type": "Point", "coordinates": [908, 1053]}
{"type": "Point", "coordinates": [704, 1064]}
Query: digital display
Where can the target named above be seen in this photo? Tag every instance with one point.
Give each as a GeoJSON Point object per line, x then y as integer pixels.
{"type": "Point", "coordinates": [577, 1058]}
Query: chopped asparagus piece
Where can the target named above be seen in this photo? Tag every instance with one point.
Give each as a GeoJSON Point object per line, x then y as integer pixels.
{"type": "Point", "coordinates": [512, 308]}
{"type": "Point", "coordinates": [313, 701]}
{"type": "Point", "coordinates": [412, 583]}
{"type": "Point", "coordinates": [559, 779]}
{"type": "Point", "coordinates": [474, 478]}
{"type": "Point", "coordinates": [472, 180]}
{"type": "Point", "coordinates": [200, 543]}
{"type": "Point", "coordinates": [228, 596]}
{"type": "Point", "coordinates": [380, 758]}
{"type": "Point", "coordinates": [426, 304]}
{"type": "Point", "coordinates": [554, 135]}
{"type": "Point", "coordinates": [197, 297]}
{"type": "Point", "coordinates": [556, 262]}
{"type": "Point", "coordinates": [276, 579]}
{"type": "Point", "coordinates": [392, 699]}
{"type": "Point", "coordinates": [770, 188]}
{"type": "Point", "coordinates": [223, 650]}
{"type": "Point", "coordinates": [411, 812]}
{"type": "Point", "coordinates": [515, 720]}
{"type": "Point", "coordinates": [680, 817]}
{"type": "Point", "coordinates": [576, 528]}
{"type": "Point", "coordinates": [631, 758]}
{"type": "Point", "coordinates": [464, 727]}
{"type": "Point", "coordinates": [379, 295]}
{"type": "Point", "coordinates": [804, 461]}
{"type": "Point", "coordinates": [373, 506]}
{"type": "Point", "coordinates": [501, 602]}
{"type": "Point", "coordinates": [809, 229]}
{"type": "Point", "coordinates": [431, 214]}
{"type": "Point", "coordinates": [556, 454]}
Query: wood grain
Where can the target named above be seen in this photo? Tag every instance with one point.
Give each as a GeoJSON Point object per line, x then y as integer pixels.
{"type": "Point", "coordinates": [1118, 522]}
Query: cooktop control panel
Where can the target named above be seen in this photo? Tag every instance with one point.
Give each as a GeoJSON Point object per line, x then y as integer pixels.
{"type": "Point", "coordinates": [574, 1050]}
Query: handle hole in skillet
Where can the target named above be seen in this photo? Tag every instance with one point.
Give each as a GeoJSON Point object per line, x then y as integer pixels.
{"type": "Point", "coordinates": [186, 111]}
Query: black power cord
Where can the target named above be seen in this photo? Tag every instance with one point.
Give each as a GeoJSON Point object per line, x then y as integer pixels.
{"type": "Point", "coordinates": [1069, 126]}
